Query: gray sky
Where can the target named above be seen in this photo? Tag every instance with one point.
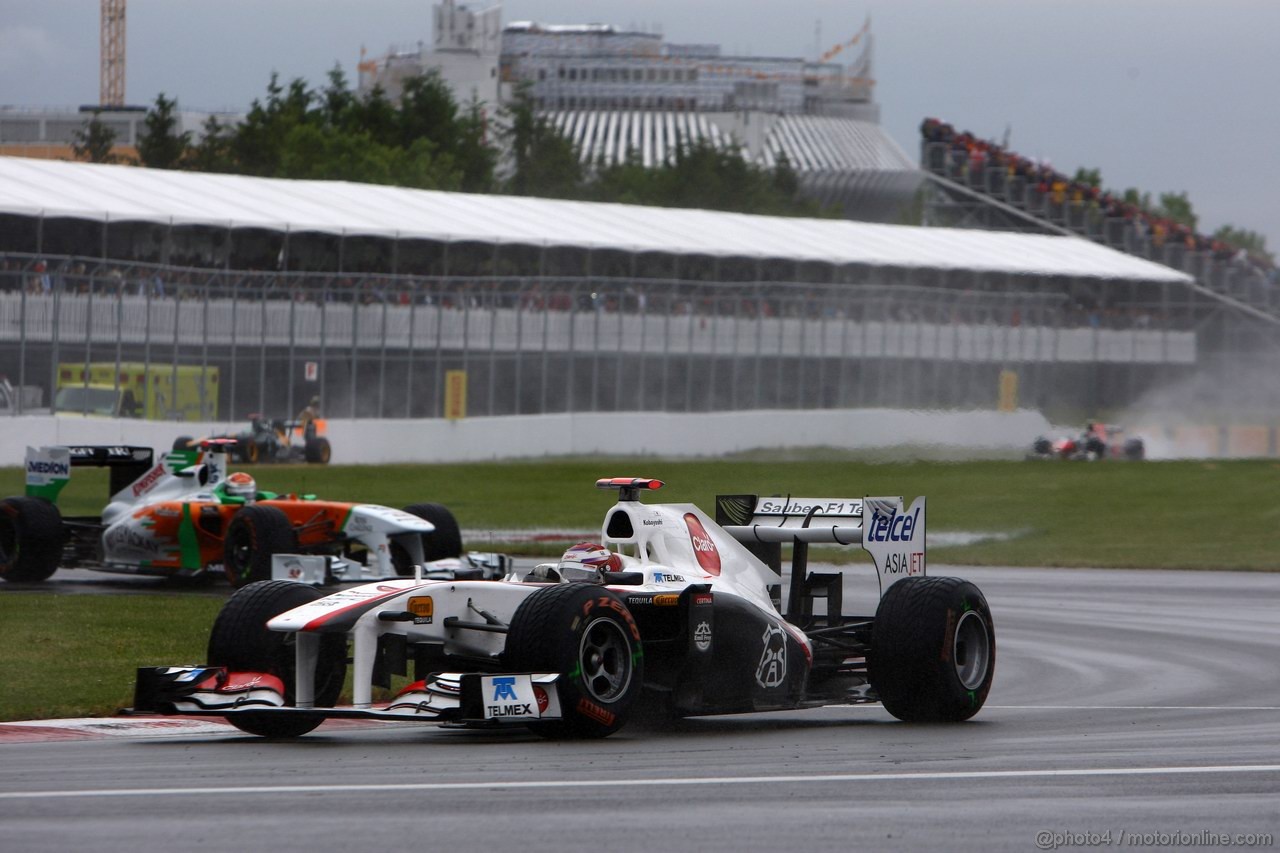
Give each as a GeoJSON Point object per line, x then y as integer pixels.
{"type": "Point", "coordinates": [1164, 95]}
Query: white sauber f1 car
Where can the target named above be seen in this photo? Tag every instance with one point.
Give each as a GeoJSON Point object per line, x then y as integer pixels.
{"type": "Point", "coordinates": [184, 516]}
{"type": "Point", "coordinates": [680, 610]}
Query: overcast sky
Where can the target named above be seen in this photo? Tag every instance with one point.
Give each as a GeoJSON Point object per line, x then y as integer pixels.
{"type": "Point", "coordinates": [1164, 95]}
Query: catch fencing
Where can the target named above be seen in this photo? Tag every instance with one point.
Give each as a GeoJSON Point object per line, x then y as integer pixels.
{"type": "Point", "coordinates": [389, 346]}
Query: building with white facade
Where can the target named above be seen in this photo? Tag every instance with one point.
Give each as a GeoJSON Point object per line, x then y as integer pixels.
{"type": "Point", "coordinates": [620, 93]}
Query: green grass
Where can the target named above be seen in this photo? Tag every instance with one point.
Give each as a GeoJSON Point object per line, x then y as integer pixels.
{"type": "Point", "coordinates": [75, 655]}
{"type": "Point", "coordinates": [72, 655]}
{"type": "Point", "coordinates": [1187, 514]}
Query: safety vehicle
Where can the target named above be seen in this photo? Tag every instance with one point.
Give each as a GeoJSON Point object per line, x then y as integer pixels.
{"type": "Point", "coordinates": [687, 614]}
{"type": "Point", "coordinates": [177, 517]}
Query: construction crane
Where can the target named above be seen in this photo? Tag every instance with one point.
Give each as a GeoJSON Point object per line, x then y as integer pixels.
{"type": "Point", "coordinates": [111, 79]}
{"type": "Point", "coordinates": [835, 51]}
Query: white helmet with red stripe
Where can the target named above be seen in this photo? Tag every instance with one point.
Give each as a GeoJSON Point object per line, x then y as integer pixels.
{"type": "Point", "coordinates": [587, 561]}
{"type": "Point", "coordinates": [241, 485]}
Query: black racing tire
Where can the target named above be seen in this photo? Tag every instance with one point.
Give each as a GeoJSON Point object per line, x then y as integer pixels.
{"type": "Point", "coordinates": [241, 642]}
{"type": "Point", "coordinates": [933, 650]}
{"type": "Point", "coordinates": [446, 540]}
{"type": "Point", "coordinates": [586, 634]}
{"type": "Point", "coordinates": [31, 537]}
{"type": "Point", "coordinates": [253, 536]}
{"type": "Point", "coordinates": [182, 442]}
{"type": "Point", "coordinates": [317, 450]}
{"type": "Point", "coordinates": [250, 451]}
{"type": "Point", "coordinates": [1135, 450]}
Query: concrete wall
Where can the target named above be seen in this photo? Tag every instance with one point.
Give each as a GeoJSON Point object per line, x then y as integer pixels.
{"type": "Point", "coordinates": [382, 441]}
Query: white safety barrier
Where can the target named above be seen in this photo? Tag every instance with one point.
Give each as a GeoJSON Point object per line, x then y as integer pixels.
{"type": "Point", "coordinates": [363, 442]}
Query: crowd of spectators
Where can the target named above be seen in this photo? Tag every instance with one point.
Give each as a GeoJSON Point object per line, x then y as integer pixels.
{"type": "Point", "coordinates": [678, 300]}
{"type": "Point", "coordinates": [988, 166]}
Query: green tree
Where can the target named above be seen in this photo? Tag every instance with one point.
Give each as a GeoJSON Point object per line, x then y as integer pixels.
{"type": "Point", "coordinates": [1092, 177]}
{"type": "Point", "coordinates": [1177, 207]}
{"type": "Point", "coordinates": [257, 145]}
{"type": "Point", "coordinates": [160, 146]}
{"type": "Point", "coordinates": [94, 141]}
{"type": "Point", "coordinates": [339, 107]}
{"type": "Point", "coordinates": [1242, 238]}
{"type": "Point", "coordinates": [428, 111]}
{"type": "Point", "coordinates": [544, 163]}
{"type": "Point", "coordinates": [1137, 198]}
{"type": "Point", "coordinates": [213, 152]}
{"type": "Point", "coordinates": [476, 158]}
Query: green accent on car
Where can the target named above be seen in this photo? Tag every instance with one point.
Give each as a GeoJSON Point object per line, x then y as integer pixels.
{"type": "Point", "coordinates": [49, 491]}
{"type": "Point", "coordinates": [178, 460]}
{"type": "Point", "coordinates": [188, 540]}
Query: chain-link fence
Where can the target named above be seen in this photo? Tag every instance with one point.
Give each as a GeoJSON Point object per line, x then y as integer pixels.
{"type": "Point", "coordinates": [388, 346]}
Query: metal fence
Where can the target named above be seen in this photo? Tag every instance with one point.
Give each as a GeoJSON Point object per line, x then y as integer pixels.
{"type": "Point", "coordinates": [384, 346]}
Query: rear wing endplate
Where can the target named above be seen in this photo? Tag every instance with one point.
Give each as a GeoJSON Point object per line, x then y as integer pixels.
{"type": "Point", "coordinates": [49, 468]}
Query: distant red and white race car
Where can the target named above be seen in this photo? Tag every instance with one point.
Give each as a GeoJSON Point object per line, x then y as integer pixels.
{"type": "Point", "coordinates": [671, 607]}
{"type": "Point", "coordinates": [1098, 441]}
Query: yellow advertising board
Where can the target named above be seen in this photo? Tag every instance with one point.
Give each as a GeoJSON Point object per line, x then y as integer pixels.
{"type": "Point", "coordinates": [455, 394]}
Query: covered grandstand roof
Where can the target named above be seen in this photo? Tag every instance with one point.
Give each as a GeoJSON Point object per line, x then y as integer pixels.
{"type": "Point", "coordinates": [810, 143]}
{"type": "Point", "coordinates": [130, 194]}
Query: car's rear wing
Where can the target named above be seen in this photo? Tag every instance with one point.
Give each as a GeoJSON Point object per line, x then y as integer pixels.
{"type": "Point", "coordinates": [49, 468]}
{"type": "Point", "coordinates": [894, 536]}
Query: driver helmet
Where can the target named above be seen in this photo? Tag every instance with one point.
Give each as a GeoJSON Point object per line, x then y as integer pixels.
{"type": "Point", "coordinates": [587, 561]}
{"type": "Point", "coordinates": [241, 485]}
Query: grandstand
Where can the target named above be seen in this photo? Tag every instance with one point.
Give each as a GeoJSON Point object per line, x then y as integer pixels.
{"type": "Point", "coordinates": [977, 183]}
{"type": "Point", "coordinates": [562, 306]}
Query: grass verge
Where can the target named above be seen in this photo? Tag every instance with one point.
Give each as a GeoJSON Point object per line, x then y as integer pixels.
{"type": "Point", "coordinates": [74, 655]}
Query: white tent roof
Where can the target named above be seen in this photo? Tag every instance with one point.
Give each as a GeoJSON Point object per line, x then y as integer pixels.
{"type": "Point", "coordinates": [124, 193]}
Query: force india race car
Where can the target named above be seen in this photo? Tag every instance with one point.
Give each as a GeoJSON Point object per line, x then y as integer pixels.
{"type": "Point", "coordinates": [176, 517]}
{"type": "Point", "coordinates": [685, 617]}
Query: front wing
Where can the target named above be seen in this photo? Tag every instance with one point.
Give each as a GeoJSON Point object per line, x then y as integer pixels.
{"type": "Point", "coordinates": [473, 698]}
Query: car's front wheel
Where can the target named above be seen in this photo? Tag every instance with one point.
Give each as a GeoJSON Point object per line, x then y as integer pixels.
{"type": "Point", "coordinates": [241, 642]}
{"type": "Point", "coordinates": [586, 634]}
{"type": "Point", "coordinates": [933, 650]}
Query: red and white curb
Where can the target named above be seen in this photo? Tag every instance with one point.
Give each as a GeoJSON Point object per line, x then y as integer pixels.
{"type": "Point", "coordinates": [34, 731]}
{"type": "Point", "coordinates": [45, 731]}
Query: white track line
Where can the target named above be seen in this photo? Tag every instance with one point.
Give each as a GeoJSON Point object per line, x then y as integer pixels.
{"type": "Point", "coordinates": [991, 707]}
{"type": "Point", "coordinates": [1135, 707]}
{"type": "Point", "coordinates": [624, 783]}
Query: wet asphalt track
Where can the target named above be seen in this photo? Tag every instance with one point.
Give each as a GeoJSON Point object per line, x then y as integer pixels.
{"type": "Point", "coordinates": [1124, 702]}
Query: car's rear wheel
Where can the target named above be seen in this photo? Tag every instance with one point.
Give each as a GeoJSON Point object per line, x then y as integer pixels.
{"type": "Point", "coordinates": [255, 534]}
{"type": "Point", "coordinates": [317, 450]}
{"type": "Point", "coordinates": [446, 540]}
{"type": "Point", "coordinates": [241, 642]}
{"type": "Point", "coordinates": [933, 650]}
{"type": "Point", "coordinates": [30, 539]}
{"type": "Point", "coordinates": [586, 634]}
{"type": "Point", "coordinates": [249, 450]}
